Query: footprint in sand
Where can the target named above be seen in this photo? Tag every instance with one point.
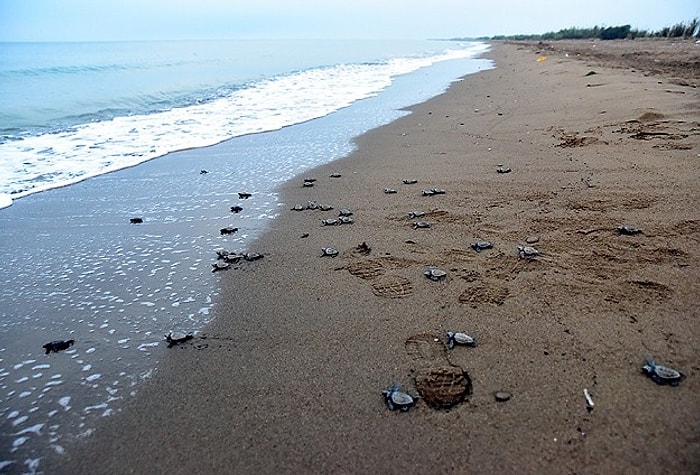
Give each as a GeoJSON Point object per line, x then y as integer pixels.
{"type": "Point", "coordinates": [392, 286]}
{"type": "Point", "coordinates": [440, 383]}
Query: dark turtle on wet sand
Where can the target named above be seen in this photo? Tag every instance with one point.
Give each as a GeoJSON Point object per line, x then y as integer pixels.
{"type": "Point", "coordinates": [236, 209]}
{"type": "Point", "coordinates": [479, 246]}
{"type": "Point", "coordinates": [433, 273]}
{"type": "Point", "coordinates": [175, 337]}
{"type": "Point", "coordinates": [628, 230]}
{"type": "Point", "coordinates": [662, 374]}
{"type": "Point", "coordinates": [243, 195]}
{"type": "Point", "coordinates": [459, 338]}
{"type": "Point", "coordinates": [219, 265]}
{"type": "Point", "coordinates": [58, 345]}
{"type": "Point", "coordinates": [136, 220]}
{"type": "Point", "coordinates": [395, 399]}
{"type": "Point", "coordinates": [228, 230]}
{"type": "Point", "coordinates": [329, 251]}
{"type": "Point", "coordinates": [421, 225]}
{"type": "Point", "coordinates": [527, 251]}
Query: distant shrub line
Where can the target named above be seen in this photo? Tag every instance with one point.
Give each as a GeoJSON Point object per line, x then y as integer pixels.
{"type": "Point", "coordinates": [679, 30]}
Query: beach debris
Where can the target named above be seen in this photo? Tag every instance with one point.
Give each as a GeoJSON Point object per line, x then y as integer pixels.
{"type": "Point", "coordinates": [589, 400]}
{"type": "Point", "coordinates": [527, 251]}
{"type": "Point", "coordinates": [389, 191]}
{"type": "Point", "coordinates": [363, 249]}
{"type": "Point", "coordinates": [459, 338]}
{"type": "Point", "coordinates": [433, 273]}
{"type": "Point", "coordinates": [175, 337]}
{"type": "Point", "coordinates": [219, 265]}
{"type": "Point", "coordinates": [136, 220]}
{"type": "Point", "coordinates": [252, 256]}
{"type": "Point", "coordinates": [57, 345]}
{"type": "Point", "coordinates": [346, 220]}
{"type": "Point", "coordinates": [479, 246]}
{"type": "Point", "coordinates": [661, 374]}
{"type": "Point", "coordinates": [443, 387]}
{"type": "Point", "coordinates": [203, 172]}
{"type": "Point", "coordinates": [502, 169]}
{"type": "Point", "coordinates": [228, 230]}
{"type": "Point", "coordinates": [410, 181]}
{"type": "Point", "coordinates": [329, 251]}
{"type": "Point", "coordinates": [307, 184]}
{"type": "Point", "coordinates": [330, 222]}
{"type": "Point", "coordinates": [628, 230]}
{"type": "Point", "coordinates": [395, 399]}
{"type": "Point", "coordinates": [242, 195]}
{"type": "Point", "coordinates": [502, 396]}
{"type": "Point", "coordinates": [421, 225]}
{"type": "Point", "coordinates": [344, 212]}
{"type": "Point", "coordinates": [335, 175]}
{"type": "Point", "coordinates": [415, 214]}
{"type": "Point", "coordinates": [236, 209]}
{"type": "Point", "coordinates": [298, 207]}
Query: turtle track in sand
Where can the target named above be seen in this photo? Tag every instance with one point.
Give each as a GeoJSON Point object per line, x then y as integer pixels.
{"type": "Point", "coordinates": [440, 383]}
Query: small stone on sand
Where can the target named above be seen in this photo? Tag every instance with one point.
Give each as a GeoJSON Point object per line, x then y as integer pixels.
{"type": "Point", "coordinates": [502, 396]}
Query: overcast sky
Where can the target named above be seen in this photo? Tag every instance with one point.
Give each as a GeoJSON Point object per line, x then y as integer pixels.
{"type": "Point", "coordinates": [87, 20]}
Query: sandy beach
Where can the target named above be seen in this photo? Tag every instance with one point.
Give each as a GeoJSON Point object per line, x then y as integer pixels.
{"type": "Point", "coordinates": [289, 376]}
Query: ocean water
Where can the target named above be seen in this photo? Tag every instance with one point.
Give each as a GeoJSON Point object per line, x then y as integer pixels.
{"type": "Point", "coordinates": [73, 265]}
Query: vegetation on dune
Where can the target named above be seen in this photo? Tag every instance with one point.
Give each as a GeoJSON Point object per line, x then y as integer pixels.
{"type": "Point", "coordinates": [679, 30]}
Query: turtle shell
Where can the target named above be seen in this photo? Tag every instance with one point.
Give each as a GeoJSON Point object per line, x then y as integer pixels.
{"type": "Point", "coordinates": [395, 399]}
{"type": "Point", "coordinates": [459, 338]}
{"type": "Point", "coordinates": [433, 273]}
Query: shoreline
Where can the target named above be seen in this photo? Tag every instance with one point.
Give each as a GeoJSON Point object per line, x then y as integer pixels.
{"type": "Point", "coordinates": [289, 375]}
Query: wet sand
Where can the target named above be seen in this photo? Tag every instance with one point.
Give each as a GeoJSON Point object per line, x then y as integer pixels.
{"type": "Point", "coordinates": [288, 378]}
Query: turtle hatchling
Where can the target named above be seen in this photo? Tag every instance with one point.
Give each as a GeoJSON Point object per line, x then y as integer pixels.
{"type": "Point", "coordinates": [346, 220]}
{"type": "Point", "coordinates": [438, 191]}
{"type": "Point", "coordinates": [479, 246]}
{"type": "Point", "coordinates": [433, 273]}
{"type": "Point", "coordinates": [421, 225]}
{"type": "Point", "coordinates": [220, 266]}
{"type": "Point", "coordinates": [459, 338]}
{"type": "Point", "coordinates": [252, 256]}
{"type": "Point", "coordinates": [415, 214]}
{"type": "Point", "coordinates": [228, 230]}
{"type": "Point", "coordinates": [502, 170]}
{"type": "Point", "coordinates": [344, 212]}
{"type": "Point", "coordinates": [236, 209]}
{"type": "Point", "coordinates": [628, 230]}
{"type": "Point", "coordinates": [330, 222]}
{"type": "Point", "coordinates": [395, 399]}
{"type": "Point", "coordinates": [427, 192]}
{"type": "Point", "coordinates": [298, 207]}
{"type": "Point", "coordinates": [307, 184]}
{"type": "Point", "coordinates": [527, 251]}
{"type": "Point", "coordinates": [410, 181]}
{"type": "Point", "coordinates": [243, 195]}
{"type": "Point", "coordinates": [662, 374]}
{"type": "Point", "coordinates": [175, 337]}
{"type": "Point", "coordinates": [329, 251]}
{"type": "Point", "coordinates": [389, 191]}
{"type": "Point", "coordinates": [335, 175]}
{"type": "Point", "coordinates": [325, 207]}
{"type": "Point", "coordinates": [57, 345]}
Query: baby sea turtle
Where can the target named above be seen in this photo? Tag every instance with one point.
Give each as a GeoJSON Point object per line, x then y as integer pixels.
{"type": "Point", "coordinates": [329, 251]}
{"type": "Point", "coordinates": [346, 220]}
{"type": "Point", "coordinates": [502, 170]}
{"type": "Point", "coordinates": [233, 258]}
{"type": "Point", "coordinates": [311, 205]}
{"type": "Point", "coordinates": [252, 256]}
{"type": "Point", "coordinates": [220, 266]}
{"type": "Point", "coordinates": [410, 181]}
{"type": "Point", "coordinates": [222, 253]}
{"type": "Point", "coordinates": [243, 195]}
{"type": "Point", "coordinates": [395, 399]}
{"type": "Point", "coordinates": [661, 374]}
{"type": "Point", "coordinates": [389, 191]}
{"type": "Point", "coordinates": [459, 338]}
{"type": "Point", "coordinates": [421, 225]}
{"type": "Point", "coordinates": [438, 191]}
{"type": "Point", "coordinates": [325, 207]}
{"type": "Point", "coordinates": [175, 337]}
{"type": "Point", "coordinates": [330, 222]}
{"type": "Point", "coordinates": [527, 251]}
{"type": "Point", "coordinates": [228, 230]}
{"type": "Point", "coordinates": [415, 214]}
{"type": "Point", "coordinates": [307, 184]}
{"type": "Point", "coordinates": [427, 192]}
{"type": "Point", "coordinates": [236, 209]}
{"type": "Point", "coordinates": [57, 345]}
{"type": "Point", "coordinates": [479, 246]}
{"type": "Point", "coordinates": [298, 207]}
{"type": "Point", "coordinates": [203, 172]}
{"type": "Point", "coordinates": [310, 180]}
{"type": "Point", "coordinates": [433, 273]}
{"type": "Point", "coordinates": [628, 230]}
{"type": "Point", "coordinates": [136, 220]}
{"type": "Point", "coordinates": [335, 175]}
{"type": "Point", "coordinates": [344, 212]}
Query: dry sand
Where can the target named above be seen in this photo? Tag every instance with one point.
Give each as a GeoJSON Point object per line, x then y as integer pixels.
{"type": "Point", "coordinates": [289, 376]}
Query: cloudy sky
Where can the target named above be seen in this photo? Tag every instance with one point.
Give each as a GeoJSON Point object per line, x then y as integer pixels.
{"type": "Point", "coordinates": [87, 20]}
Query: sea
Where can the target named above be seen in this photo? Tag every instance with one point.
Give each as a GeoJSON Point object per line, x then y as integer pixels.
{"type": "Point", "coordinates": [95, 134]}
